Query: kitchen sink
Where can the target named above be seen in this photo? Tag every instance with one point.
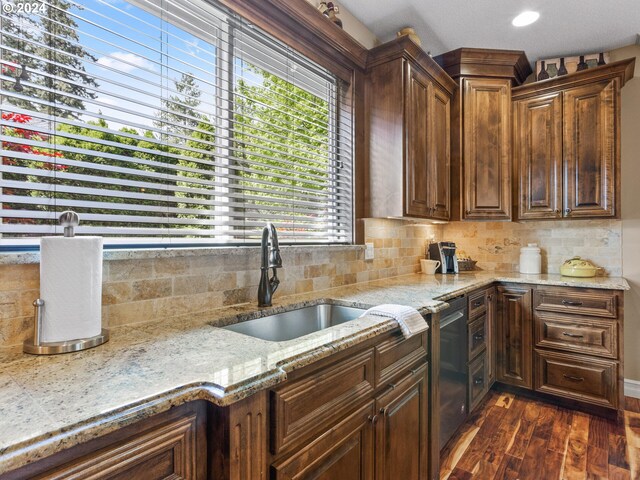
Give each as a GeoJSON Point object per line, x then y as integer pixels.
{"type": "Point", "coordinates": [296, 323]}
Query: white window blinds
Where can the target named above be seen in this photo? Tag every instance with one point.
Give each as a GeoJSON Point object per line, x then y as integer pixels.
{"type": "Point", "coordinates": [167, 122]}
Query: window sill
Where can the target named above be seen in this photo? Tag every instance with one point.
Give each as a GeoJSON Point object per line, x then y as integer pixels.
{"type": "Point", "coordinates": [24, 258]}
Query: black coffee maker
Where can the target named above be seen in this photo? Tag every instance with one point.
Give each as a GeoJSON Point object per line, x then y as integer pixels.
{"type": "Point", "coordinates": [445, 253]}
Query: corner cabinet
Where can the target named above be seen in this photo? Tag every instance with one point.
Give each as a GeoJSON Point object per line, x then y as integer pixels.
{"type": "Point", "coordinates": [481, 150]}
{"type": "Point", "coordinates": [567, 144]}
{"type": "Point", "coordinates": [408, 105]}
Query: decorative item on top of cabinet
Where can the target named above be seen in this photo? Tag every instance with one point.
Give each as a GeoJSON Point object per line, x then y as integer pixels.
{"type": "Point", "coordinates": [567, 144]}
{"type": "Point", "coordinates": [481, 130]}
{"type": "Point", "coordinates": [408, 109]}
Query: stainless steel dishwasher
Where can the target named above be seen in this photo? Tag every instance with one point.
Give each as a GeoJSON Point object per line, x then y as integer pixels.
{"type": "Point", "coordinates": [453, 368]}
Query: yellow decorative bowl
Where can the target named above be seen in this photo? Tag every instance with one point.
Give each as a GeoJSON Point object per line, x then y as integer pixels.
{"type": "Point", "coordinates": [576, 267]}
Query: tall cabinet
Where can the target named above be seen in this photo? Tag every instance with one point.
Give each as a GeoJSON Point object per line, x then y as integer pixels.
{"type": "Point", "coordinates": [481, 149]}
{"type": "Point", "coordinates": [567, 144]}
{"type": "Point", "coordinates": [408, 103]}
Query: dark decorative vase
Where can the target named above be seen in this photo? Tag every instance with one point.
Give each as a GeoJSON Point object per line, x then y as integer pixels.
{"type": "Point", "coordinates": [562, 70]}
{"type": "Point", "coordinates": [601, 59]}
{"type": "Point", "coordinates": [582, 65]}
{"type": "Point", "coordinates": [543, 75]}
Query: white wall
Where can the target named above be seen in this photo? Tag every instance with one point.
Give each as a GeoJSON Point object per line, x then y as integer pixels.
{"type": "Point", "coordinates": [631, 211]}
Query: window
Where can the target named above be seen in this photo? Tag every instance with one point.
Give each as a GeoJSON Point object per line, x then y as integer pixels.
{"type": "Point", "coordinates": [167, 121]}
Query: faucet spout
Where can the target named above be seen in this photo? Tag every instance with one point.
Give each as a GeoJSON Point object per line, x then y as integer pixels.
{"type": "Point", "coordinates": [270, 259]}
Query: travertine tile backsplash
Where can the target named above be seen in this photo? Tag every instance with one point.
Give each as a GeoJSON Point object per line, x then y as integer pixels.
{"type": "Point", "coordinates": [142, 289]}
{"type": "Point", "coordinates": [174, 283]}
{"type": "Point", "coordinates": [496, 245]}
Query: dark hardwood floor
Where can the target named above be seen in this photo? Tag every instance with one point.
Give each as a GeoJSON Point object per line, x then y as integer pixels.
{"type": "Point", "coordinates": [511, 437]}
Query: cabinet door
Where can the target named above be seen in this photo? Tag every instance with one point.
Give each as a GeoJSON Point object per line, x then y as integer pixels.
{"type": "Point", "coordinates": [416, 191]}
{"type": "Point", "coordinates": [538, 156]}
{"type": "Point", "coordinates": [402, 429]}
{"type": "Point", "coordinates": [487, 149]}
{"type": "Point", "coordinates": [344, 452]}
{"type": "Point", "coordinates": [440, 157]}
{"type": "Point", "coordinates": [515, 328]}
{"type": "Point", "coordinates": [591, 130]}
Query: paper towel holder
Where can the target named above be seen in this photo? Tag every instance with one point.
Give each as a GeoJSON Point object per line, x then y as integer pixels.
{"type": "Point", "coordinates": [34, 346]}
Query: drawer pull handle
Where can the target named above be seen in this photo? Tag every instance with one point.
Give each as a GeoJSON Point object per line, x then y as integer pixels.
{"type": "Point", "coordinates": [571, 377]}
{"type": "Point", "coordinates": [373, 419]}
{"type": "Point", "coordinates": [570, 303]}
{"type": "Point", "coordinates": [572, 335]}
{"type": "Point", "coordinates": [415, 370]}
{"type": "Point", "coordinates": [478, 337]}
{"type": "Point", "coordinates": [478, 303]}
{"type": "Point", "coordinates": [478, 381]}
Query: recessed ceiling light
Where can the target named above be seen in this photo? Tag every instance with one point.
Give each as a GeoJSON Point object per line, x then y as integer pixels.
{"type": "Point", "coordinates": [525, 18]}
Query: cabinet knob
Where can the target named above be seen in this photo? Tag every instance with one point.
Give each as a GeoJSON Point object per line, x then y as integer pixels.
{"type": "Point", "coordinates": [373, 419]}
{"type": "Point", "coordinates": [557, 210]}
{"type": "Point", "coordinates": [567, 210]}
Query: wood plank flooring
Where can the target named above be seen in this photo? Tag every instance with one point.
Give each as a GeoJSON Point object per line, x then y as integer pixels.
{"type": "Point", "coordinates": [511, 437]}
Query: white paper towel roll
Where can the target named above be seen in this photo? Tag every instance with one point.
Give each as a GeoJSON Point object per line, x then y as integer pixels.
{"type": "Point", "coordinates": [71, 287]}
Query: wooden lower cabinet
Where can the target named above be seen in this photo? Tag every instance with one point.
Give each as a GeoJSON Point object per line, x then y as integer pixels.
{"type": "Point", "coordinates": [344, 452]}
{"type": "Point", "coordinates": [168, 446]}
{"type": "Point", "coordinates": [562, 341]}
{"type": "Point", "coordinates": [402, 429]}
{"type": "Point", "coordinates": [384, 434]}
{"type": "Point", "coordinates": [514, 329]}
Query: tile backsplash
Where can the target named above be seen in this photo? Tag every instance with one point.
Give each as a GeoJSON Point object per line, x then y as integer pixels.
{"type": "Point", "coordinates": [175, 282]}
{"type": "Point", "coordinates": [166, 283]}
{"type": "Point", "coordinates": [496, 245]}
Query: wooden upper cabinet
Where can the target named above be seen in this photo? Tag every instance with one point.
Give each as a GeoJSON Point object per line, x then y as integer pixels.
{"type": "Point", "coordinates": [590, 138]}
{"type": "Point", "coordinates": [407, 107]}
{"type": "Point", "coordinates": [486, 149]}
{"type": "Point", "coordinates": [418, 92]}
{"type": "Point", "coordinates": [439, 173]}
{"type": "Point", "coordinates": [567, 144]}
{"type": "Point", "coordinates": [481, 147]}
{"type": "Point", "coordinates": [538, 156]}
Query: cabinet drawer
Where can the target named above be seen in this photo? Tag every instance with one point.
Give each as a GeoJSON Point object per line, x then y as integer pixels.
{"type": "Point", "coordinates": [164, 452]}
{"type": "Point", "coordinates": [397, 355]}
{"type": "Point", "coordinates": [577, 377]}
{"type": "Point", "coordinates": [580, 335]}
{"type": "Point", "coordinates": [478, 303]}
{"type": "Point", "coordinates": [304, 408]}
{"type": "Point", "coordinates": [477, 336]}
{"type": "Point", "coordinates": [598, 303]}
{"type": "Point", "coordinates": [478, 384]}
{"type": "Point", "coordinates": [344, 451]}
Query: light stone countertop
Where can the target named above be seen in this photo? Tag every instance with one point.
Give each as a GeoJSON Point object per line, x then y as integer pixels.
{"type": "Point", "coordinates": [48, 404]}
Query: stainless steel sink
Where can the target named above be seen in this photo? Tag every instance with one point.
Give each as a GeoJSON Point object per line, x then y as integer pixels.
{"type": "Point", "coordinates": [296, 323]}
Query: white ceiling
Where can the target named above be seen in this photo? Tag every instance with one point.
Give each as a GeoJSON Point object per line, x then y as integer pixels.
{"type": "Point", "coordinates": [565, 27]}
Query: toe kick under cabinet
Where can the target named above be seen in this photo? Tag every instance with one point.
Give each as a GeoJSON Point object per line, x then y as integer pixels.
{"type": "Point", "coordinates": [562, 341]}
